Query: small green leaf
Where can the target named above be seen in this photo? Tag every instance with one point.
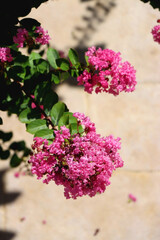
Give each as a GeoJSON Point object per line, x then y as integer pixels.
{"type": "Point", "coordinates": [57, 111]}
{"type": "Point", "coordinates": [73, 56]}
{"type": "Point", "coordinates": [28, 115]}
{"type": "Point", "coordinates": [80, 129]}
{"type": "Point", "coordinates": [17, 146]}
{"type": "Point", "coordinates": [63, 64]}
{"type": "Point", "coordinates": [15, 161]}
{"type": "Point", "coordinates": [36, 125]}
{"type": "Point", "coordinates": [43, 66]}
{"type": "Point", "coordinates": [45, 133]}
{"type": "Point", "coordinates": [73, 128]}
{"type": "Point", "coordinates": [55, 78]}
{"type": "Point", "coordinates": [64, 76]}
{"type": "Point", "coordinates": [34, 56]}
{"type": "Point", "coordinates": [86, 58]}
{"type": "Point", "coordinates": [52, 55]}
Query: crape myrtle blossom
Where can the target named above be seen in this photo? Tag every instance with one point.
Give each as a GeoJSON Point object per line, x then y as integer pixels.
{"type": "Point", "coordinates": [107, 73]}
{"type": "Point", "coordinates": [23, 37]}
{"type": "Point", "coordinates": [156, 33]}
{"type": "Point", "coordinates": [20, 38]}
{"type": "Point", "coordinates": [82, 163]}
{"type": "Point", "coordinates": [5, 55]}
{"type": "Point", "coordinates": [43, 37]}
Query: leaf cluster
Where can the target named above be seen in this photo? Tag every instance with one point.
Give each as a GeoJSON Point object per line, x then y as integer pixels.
{"type": "Point", "coordinates": [10, 11]}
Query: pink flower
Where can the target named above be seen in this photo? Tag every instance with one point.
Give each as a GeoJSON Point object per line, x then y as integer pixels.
{"type": "Point", "coordinates": [107, 73]}
{"type": "Point", "coordinates": [44, 222]}
{"type": "Point", "coordinates": [82, 163]}
{"type": "Point", "coordinates": [5, 55]}
{"type": "Point", "coordinates": [43, 37]}
{"type": "Point", "coordinates": [20, 38]}
{"type": "Point", "coordinates": [17, 174]}
{"type": "Point", "coordinates": [156, 33]}
{"type": "Point", "coordinates": [22, 219]}
{"type": "Point", "coordinates": [132, 197]}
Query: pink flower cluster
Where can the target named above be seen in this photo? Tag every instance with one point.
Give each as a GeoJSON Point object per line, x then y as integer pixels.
{"type": "Point", "coordinates": [156, 33]}
{"type": "Point", "coordinates": [24, 37]}
{"type": "Point", "coordinates": [43, 37]}
{"type": "Point", "coordinates": [5, 55]}
{"type": "Point", "coordinates": [107, 73]}
{"type": "Point", "coordinates": [82, 163]}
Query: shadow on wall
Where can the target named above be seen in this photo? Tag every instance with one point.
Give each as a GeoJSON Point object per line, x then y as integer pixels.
{"type": "Point", "coordinates": [6, 198]}
{"type": "Point", "coordinates": [95, 14]}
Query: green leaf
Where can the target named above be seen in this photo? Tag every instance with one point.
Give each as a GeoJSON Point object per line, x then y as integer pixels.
{"type": "Point", "coordinates": [34, 56]}
{"type": "Point", "coordinates": [45, 133]}
{"type": "Point", "coordinates": [64, 76]}
{"type": "Point", "coordinates": [73, 128]}
{"type": "Point", "coordinates": [72, 119]}
{"type": "Point", "coordinates": [21, 60]}
{"type": "Point", "coordinates": [52, 55]}
{"type": "Point", "coordinates": [64, 120]}
{"type": "Point", "coordinates": [28, 115]}
{"type": "Point", "coordinates": [15, 161]}
{"type": "Point", "coordinates": [49, 100]}
{"type": "Point", "coordinates": [43, 66]}
{"type": "Point", "coordinates": [17, 146]}
{"type": "Point", "coordinates": [1, 121]}
{"type": "Point", "coordinates": [86, 58]}
{"type": "Point", "coordinates": [36, 125]}
{"type": "Point", "coordinates": [73, 56]}
{"type": "Point", "coordinates": [55, 78]}
{"type": "Point", "coordinates": [16, 72]}
{"type": "Point", "coordinates": [80, 129]}
{"type": "Point", "coordinates": [63, 64]}
{"type": "Point", "coordinates": [57, 111]}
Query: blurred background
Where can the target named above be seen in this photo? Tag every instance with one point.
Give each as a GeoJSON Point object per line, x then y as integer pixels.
{"type": "Point", "coordinates": [30, 210]}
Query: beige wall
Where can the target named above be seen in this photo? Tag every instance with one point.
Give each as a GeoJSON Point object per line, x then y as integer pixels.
{"type": "Point", "coordinates": [135, 117]}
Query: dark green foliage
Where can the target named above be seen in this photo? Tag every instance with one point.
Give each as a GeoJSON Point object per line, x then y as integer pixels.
{"type": "Point", "coordinates": [15, 161]}
{"type": "Point", "coordinates": [5, 136]}
{"type": "Point", "coordinates": [10, 11]}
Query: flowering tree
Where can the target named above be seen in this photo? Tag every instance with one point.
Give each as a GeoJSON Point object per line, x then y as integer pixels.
{"type": "Point", "coordinates": [66, 147]}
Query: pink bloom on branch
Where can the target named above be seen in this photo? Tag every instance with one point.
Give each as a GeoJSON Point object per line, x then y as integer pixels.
{"type": "Point", "coordinates": [107, 73]}
{"type": "Point", "coordinates": [156, 33]}
{"type": "Point", "coordinates": [83, 164]}
{"type": "Point", "coordinates": [20, 38]}
{"type": "Point", "coordinates": [43, 37]}
{"type": "Point", "coordinates": [5, 55]}
{"type": "Point", "coordinates": [132, 197]}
